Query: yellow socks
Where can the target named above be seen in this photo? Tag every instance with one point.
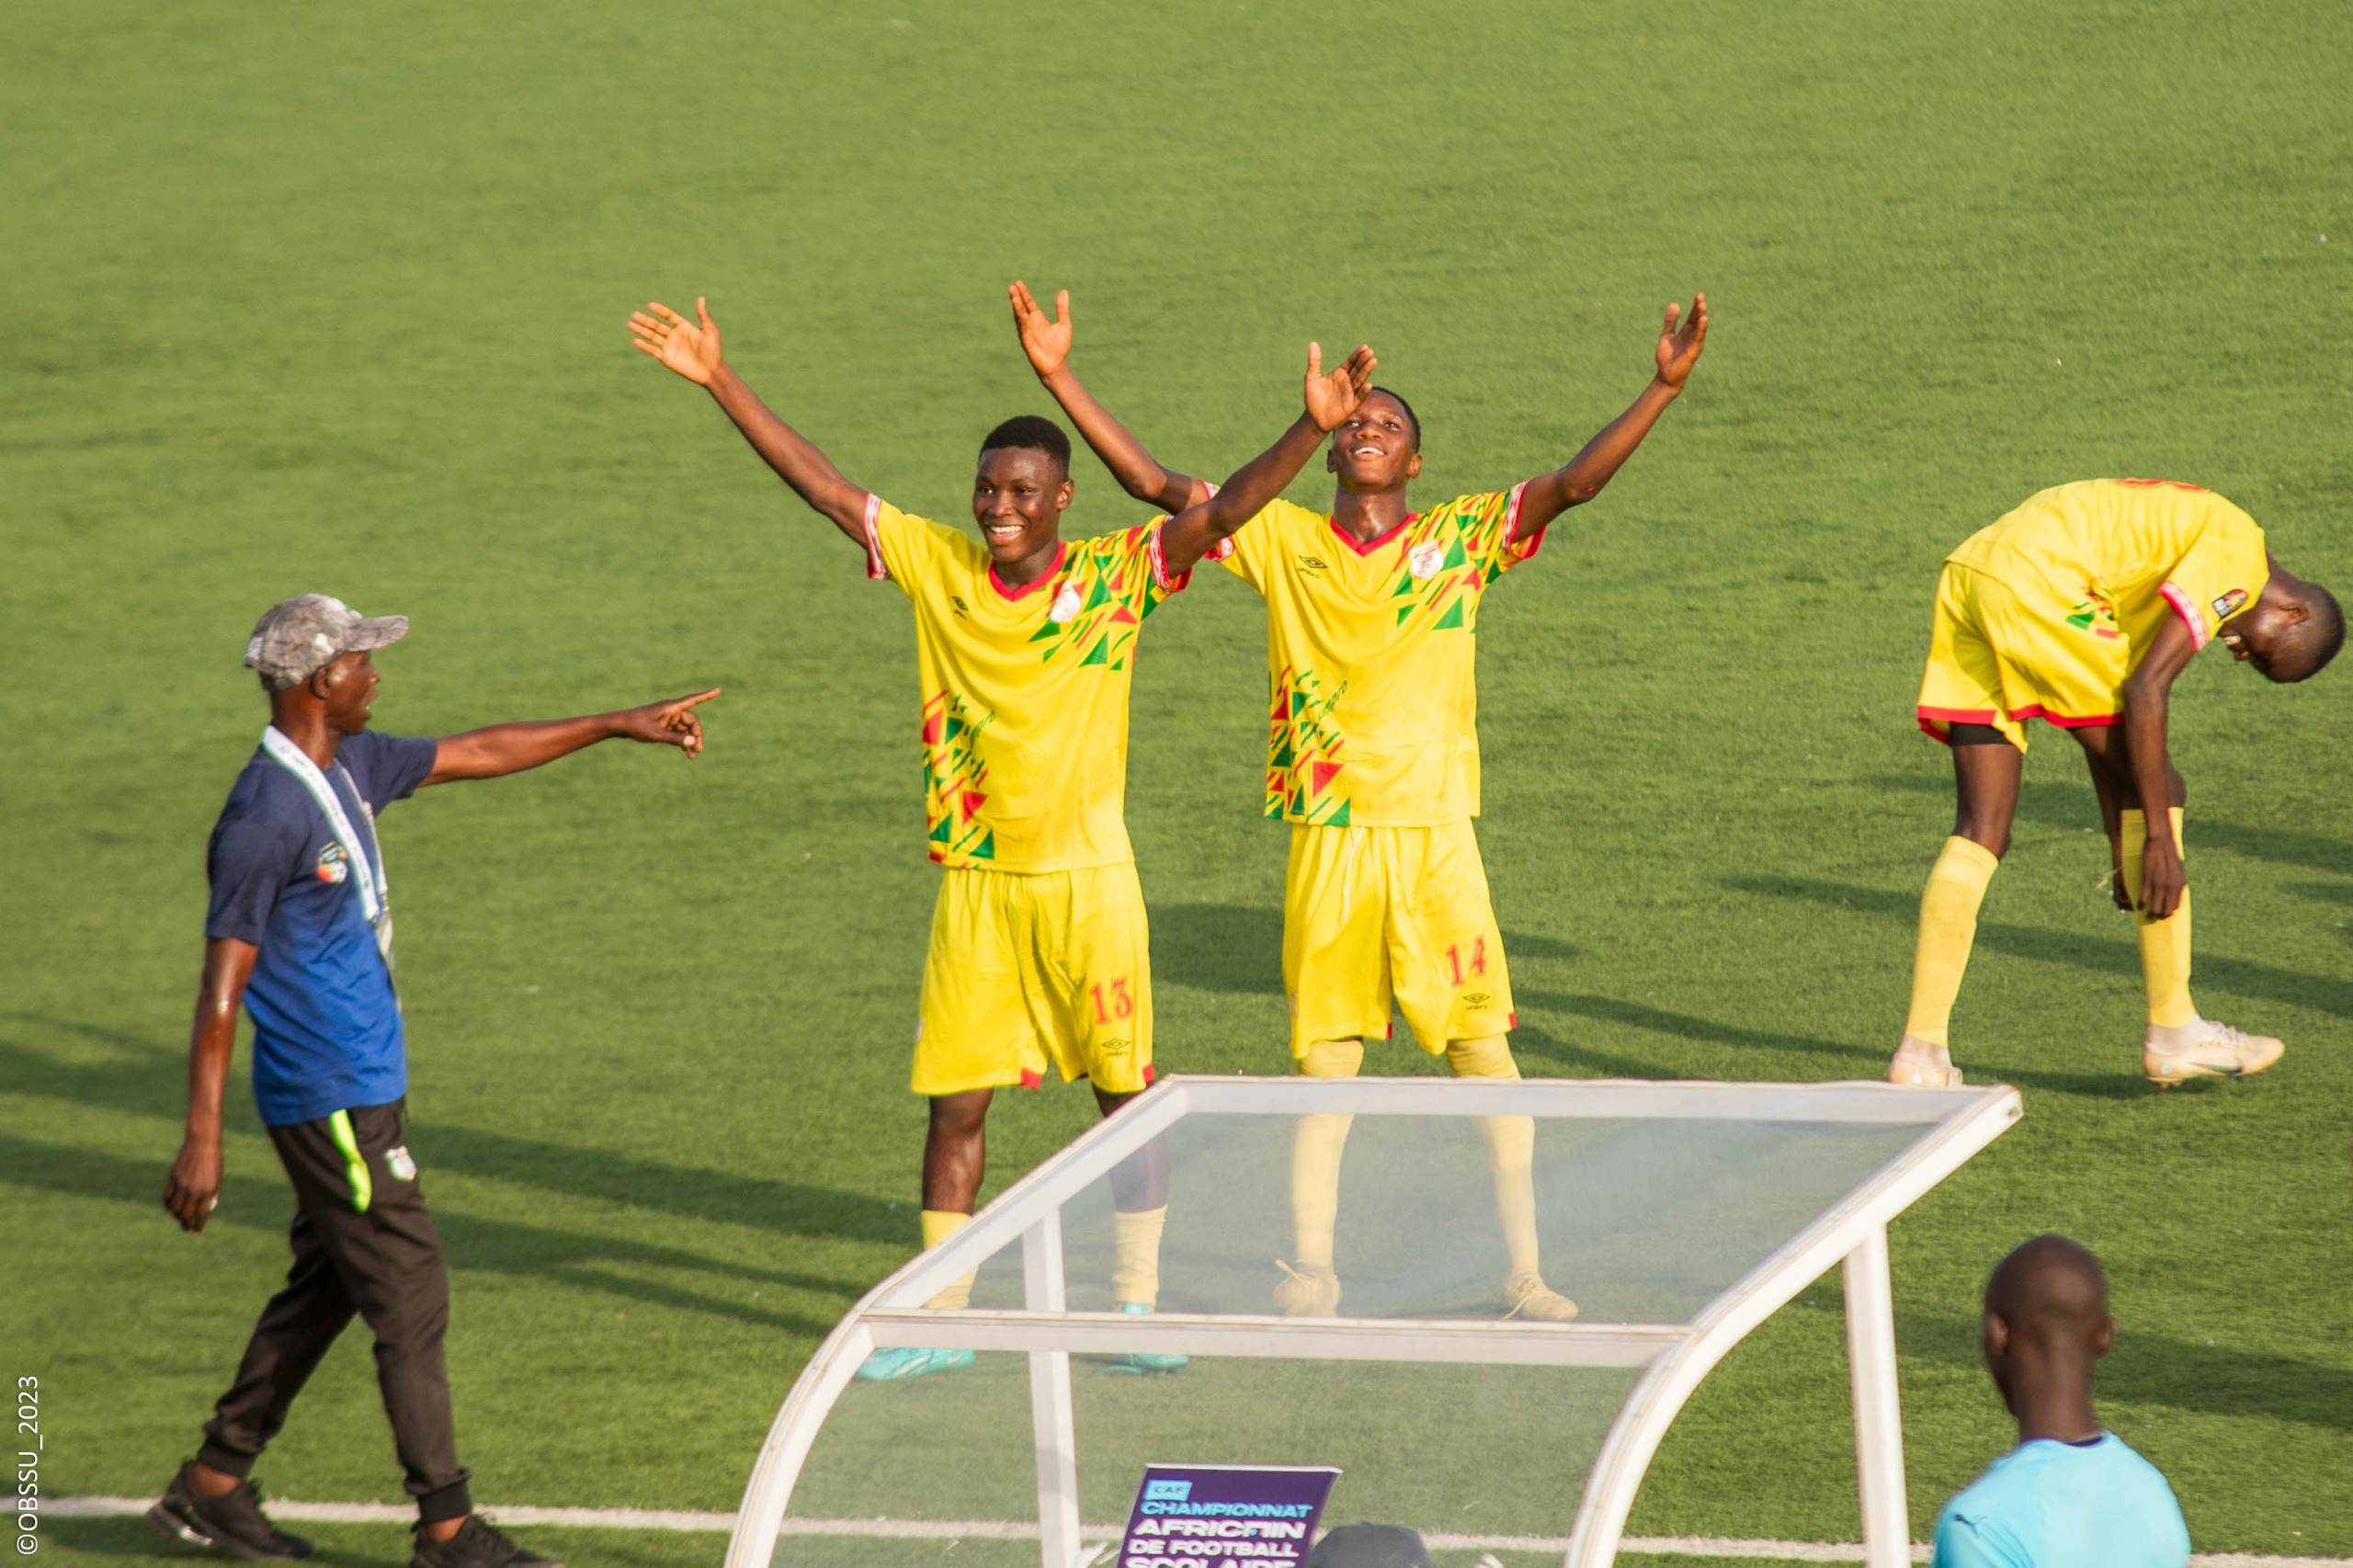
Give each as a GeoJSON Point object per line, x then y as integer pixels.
{"type": "Point", "coordinates": [2164, 944]}
{"type": "Point", "coordinates": [1948, 930]}
{"type": "Point", "coordinates": [1315, 1148]}
{"type": "Point", "coordinates": [938, 1226]}
{"type": "Point", "coordinates": [1135, 1256]}
{"type": "Point", "coordinates": [1488, 1058]}
{"type": "Point", "coordinates": [1511, 1148]}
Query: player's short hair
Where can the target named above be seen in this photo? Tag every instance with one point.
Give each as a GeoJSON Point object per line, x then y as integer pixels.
{"type": "Point", "coordinates": [1411, 417]}
{"type": "Point", "coordinates": [1028, 430]}
{"type": "Point", "coordinates": [2311, 643]}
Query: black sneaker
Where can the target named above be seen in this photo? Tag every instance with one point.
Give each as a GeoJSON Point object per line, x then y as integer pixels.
{"type": "Point", "coordinates": [477, 1544]}
{"type": "Point", "coordinates": [231, 1523]}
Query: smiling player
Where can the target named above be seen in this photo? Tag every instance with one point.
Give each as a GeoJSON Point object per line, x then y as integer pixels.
{"type": "Point", "coordinates": [1373, 758]}
{"type": "Point", "coordinates": [2080, 607]}
{"type": "Point", "coordinates": [1025, 644]}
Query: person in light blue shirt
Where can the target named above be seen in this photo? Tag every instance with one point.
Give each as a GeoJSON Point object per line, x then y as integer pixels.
{"type": "Point", "coordinates": [2070, 1495]}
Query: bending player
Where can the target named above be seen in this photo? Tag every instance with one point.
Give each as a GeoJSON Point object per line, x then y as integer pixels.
{"type": "Point", "coordinates": [2080, 607]}
{"type": "Point", "coordinates": [1025, 644]}
{"type": "Point", "coordinates": [1373, 759]}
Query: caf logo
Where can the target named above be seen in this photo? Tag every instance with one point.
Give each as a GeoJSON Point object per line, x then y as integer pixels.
{"type": "Point", "coordinates": [333, 866]}
{"type": "Point", "coordinates": [2228, 604]}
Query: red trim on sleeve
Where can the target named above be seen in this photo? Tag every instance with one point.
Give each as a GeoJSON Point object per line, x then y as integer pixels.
{"type": "Point", "coordinates": [1371, 545]}
{"type": "Point", "coordinates": [1015, 596]}
{"type": "Point", "coordinates": [876, 571]}
{"type": "Point", "coordinates": [1031, 1080]}
{"type": "Point", "coordinates": [1147, 1074]}
{"type": "Point", "coordinates": [2187, 608]}
{"type": "Point", "coordinates": [1168, 584]}
{"type": "Point", "coordinates": [1511, 518]}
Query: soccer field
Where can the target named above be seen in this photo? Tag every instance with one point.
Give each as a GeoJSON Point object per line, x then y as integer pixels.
{"type": "Point", "coordinates": [332, 299]}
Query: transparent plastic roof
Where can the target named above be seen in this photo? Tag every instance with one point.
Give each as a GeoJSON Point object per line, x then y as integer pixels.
{"type": "Point", "coordinates": [1676, 1215]}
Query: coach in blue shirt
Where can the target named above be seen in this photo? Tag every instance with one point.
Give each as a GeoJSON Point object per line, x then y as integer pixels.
{"type": "Point", "coordinates": [299, 932]}
{"type": "Point", "coordinates": [2070, 1495]}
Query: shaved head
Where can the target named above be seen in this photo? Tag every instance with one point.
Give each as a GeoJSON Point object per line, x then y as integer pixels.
{"type": "Point", "coordinates": [2306, 646]}
{"type": "Point", "coordinates": [2046, 1324]}
{"type": "Point", "coordinates": [2048, 1285]}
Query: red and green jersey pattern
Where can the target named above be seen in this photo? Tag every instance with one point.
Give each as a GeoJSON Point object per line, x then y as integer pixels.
{"type": "Point", "coordinates": [1371, 653]}
{"type": "Point", "coordinates": [1025, 690]}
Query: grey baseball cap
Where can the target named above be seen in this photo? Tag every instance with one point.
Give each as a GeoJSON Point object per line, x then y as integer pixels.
{"type": "Point", "coordinates": [298, 637]}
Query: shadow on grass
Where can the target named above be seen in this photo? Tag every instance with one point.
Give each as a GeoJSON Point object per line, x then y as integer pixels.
{"type": "Point", "coordinates": [2073, 805]}
{"type": "Point", "coordinates": [1860, 1061]}
{"type": "Point", "coordinates": [146, 1080]}
{"type": "Point", "coordinates": [2321, 993]}
{"type": "Point", "coordinates": [1231, 946]}
{"type": "Point", "coordinates": [496, 1246]}
{"type": "Point", "coordinates": [2149, 1369]}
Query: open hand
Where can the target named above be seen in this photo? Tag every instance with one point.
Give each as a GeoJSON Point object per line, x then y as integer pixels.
{"type": "Point", "coordinates": [1679, 351]}
{"type": "Point", "coordinates": [679, 344]}
{"type": "Point", "coordinates": [669, 723]}
{"type": "Point", "coordinates": [1332, 398]}
{"type": "Point", "coordinates": [1046, 342]}
{"type": "Point", "coordinates": [193, 1190]}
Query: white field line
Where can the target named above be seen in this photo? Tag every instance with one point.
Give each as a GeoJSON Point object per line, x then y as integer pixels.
{"type": "Point", "coordinates": [1003, 1529]}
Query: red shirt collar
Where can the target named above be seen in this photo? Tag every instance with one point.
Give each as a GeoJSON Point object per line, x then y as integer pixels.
{"type": "Point", "coordinates": [1372, 544]}
{"type": "Point", "coordinates": [1014, 595]}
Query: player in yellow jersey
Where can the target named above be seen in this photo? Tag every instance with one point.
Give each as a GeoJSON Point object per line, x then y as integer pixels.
{"type": "Point", "coordinates": [1025, 644]}
{"type": "Point", "coordinates": [1374, 758]}
{"type": "Point", "coordinates": [2080, 607]}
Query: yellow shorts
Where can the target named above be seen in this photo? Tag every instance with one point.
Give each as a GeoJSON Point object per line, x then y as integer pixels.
{"type": "Point", "coordinates": [1031, 968]}
{"type": "Point", "coordinates": [1998, 656]}
{"type": "Point", "coordinates": [1373, 912]}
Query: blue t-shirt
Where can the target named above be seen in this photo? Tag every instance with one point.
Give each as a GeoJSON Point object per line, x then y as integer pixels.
{"type": "Point", "coordinates": [2053, 1505]}
{"type": "Point", "coordinates": [326, 1024]}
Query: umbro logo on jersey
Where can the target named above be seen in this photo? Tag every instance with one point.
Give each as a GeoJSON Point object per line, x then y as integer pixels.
{"type": "Point", "coordinates": [964, 610]}
{"type": "Point", "coordinates": [1311, 563]}
{"type": "Point", "coordinates": [333, 865]}
{"type": "Point", "coordinates": [1478, 999]}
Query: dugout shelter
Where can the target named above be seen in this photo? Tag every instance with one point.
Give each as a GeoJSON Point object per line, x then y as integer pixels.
{"type": "Point", "coordinates": [1679, 1215]}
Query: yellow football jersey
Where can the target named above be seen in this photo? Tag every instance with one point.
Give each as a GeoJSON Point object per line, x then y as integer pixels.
{"type": "Point", "coordinates": [2118, 555]}
{"type": "Point", "coordinates": [1369, 649]}
{"type": "Point", "coordinates": [1025, 690]}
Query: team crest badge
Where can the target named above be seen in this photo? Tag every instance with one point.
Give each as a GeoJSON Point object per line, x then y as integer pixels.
{"type": "Point", "coordinates": [333, 866]}
{"type": "Point", "coordinates": [1066, 602]}
{"type": "Point", "coordinates": [2228, 604]}
{"type": "Point", "coordinates": [398, 1164]}
{"type": "Point", "coordinates": [1425, 558]}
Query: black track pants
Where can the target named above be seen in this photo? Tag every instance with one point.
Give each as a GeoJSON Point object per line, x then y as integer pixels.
{"type": "Point", "coordinates": [362, 1244]}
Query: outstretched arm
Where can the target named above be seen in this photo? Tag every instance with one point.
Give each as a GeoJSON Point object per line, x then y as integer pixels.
{"type": "Point", "coordinates": [510, 748]}
{"type": "Point", "coordinates": [2147, 697]}
{"type": "Point", "coordinates": [1048, 345]}
{"type": "Point", "coordinates": [691, 348]}
{"type": "Point", "coordinates": [1200, 528]}
{"type": "Point", "coordinates": [1550, 494]}
{"type": "Point", "coordinates": [193, 1189]}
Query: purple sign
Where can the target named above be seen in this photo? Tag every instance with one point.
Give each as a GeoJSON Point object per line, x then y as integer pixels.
{"type": "Point", "coordinates": [1224, 1516]}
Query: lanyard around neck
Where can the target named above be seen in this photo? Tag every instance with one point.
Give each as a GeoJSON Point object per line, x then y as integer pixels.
{"type": "Point", "coordinates": [375, 892]}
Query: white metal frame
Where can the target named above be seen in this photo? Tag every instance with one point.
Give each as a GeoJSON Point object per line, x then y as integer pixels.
{"type": "Point", "coordinates": [1852, 1232]}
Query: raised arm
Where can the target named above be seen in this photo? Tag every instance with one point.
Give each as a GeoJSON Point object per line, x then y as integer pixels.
{"type": "Point", "coordinates": [691, 348]}
{"type": "Point", "coordinates": [193, 1189]}
{"type": "Point", "coordinates": [500, 749]}
{"type": "Point", "coordinates": [2147, 696]}
{"type": "Point", "coordinates": [1201, 528]}
{"type": "Point", "coordinates": [1548, 494]}
{"type": "Point", "coordinates": [1048, 345]}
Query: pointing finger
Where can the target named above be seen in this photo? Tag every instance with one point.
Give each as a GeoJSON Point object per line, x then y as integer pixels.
{"type": "Point", "coordinates": [682, 704]}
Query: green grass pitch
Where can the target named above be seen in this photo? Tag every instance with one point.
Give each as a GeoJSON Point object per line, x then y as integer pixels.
{"type": "Point", "coordinates": [310, 297]}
